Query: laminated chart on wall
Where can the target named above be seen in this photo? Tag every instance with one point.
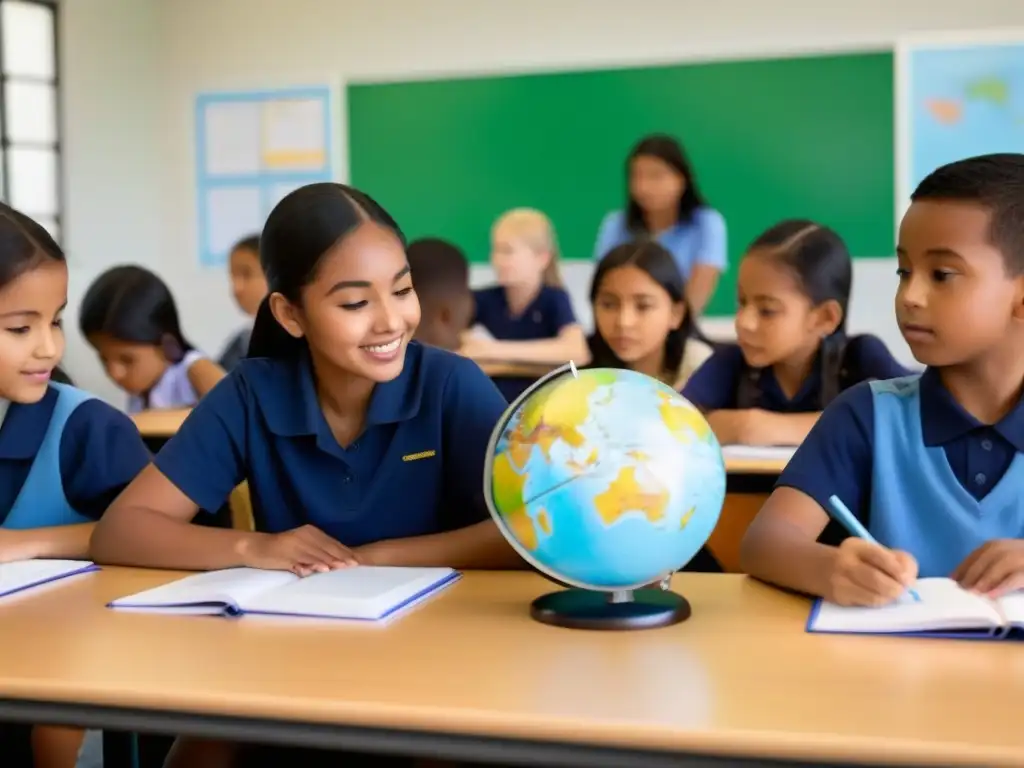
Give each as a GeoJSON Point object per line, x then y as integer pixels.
{"type": "Point", "coordinates": [253, 148]}
{"type": "Point", "coordinates": [957, 96]}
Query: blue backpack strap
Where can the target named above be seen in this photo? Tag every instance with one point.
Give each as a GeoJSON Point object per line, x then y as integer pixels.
{"type": "Point", "coordinates": [41, 501]}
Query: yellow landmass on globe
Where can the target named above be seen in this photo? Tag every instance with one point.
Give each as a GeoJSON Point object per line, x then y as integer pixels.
{"type": "Point", "coordinates": [544, 521]}
{"type": "Point", "coordinates": [626, 494]}
{"type": "Point", "coordinates": [682, 421]}
{"type": "Point", "coordinates": [556, 413]}
{"type": "Point", "coordinates": [521, 527]}
{"type": "Point", "coordinates": [685, 520]}
{"type": "Point", "coordinates": [507, 486]}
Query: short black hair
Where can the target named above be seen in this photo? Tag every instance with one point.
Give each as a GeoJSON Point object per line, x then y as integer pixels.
{"type": "Point", "coordinates": [437, 266]}
{"type": "Point", "coordinates": [248, 243]}
{"type": "Point", "coordinates": [995, 182]}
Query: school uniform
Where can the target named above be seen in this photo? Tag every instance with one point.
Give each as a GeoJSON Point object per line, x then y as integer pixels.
{"type": "Point", "coordinates": [919, 471]}
{"type": "Point", "coordinates": [425, 430]}
{"type": "Point", "coordinates": [700, 240]}
{"type": "Point", "coordinates": [236, 350]}
{"type": "Point", "coordinates": [64, 459]}
{"type": "Point", "coordinates": [544, 318]}
{"type": "Point", "coordinates": [723, 379]}
{"type": "Point", "coordinates": [172, 390]}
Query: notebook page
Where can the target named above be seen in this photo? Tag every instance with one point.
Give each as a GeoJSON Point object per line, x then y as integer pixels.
{"type": "Point", "coordinates": [1012, 606]}
{"type": "Point", "coordinates": [360, 592]}
{"type": "Point", "coordinates": [20, 574]}
{"type": "Point", "coordinates": [229, 587]}
{"type": "Point", "coordinates": [943, 606]}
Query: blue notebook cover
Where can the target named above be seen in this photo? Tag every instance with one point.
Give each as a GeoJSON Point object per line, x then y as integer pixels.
{"type": "Point", "coordinates": [996, 633]}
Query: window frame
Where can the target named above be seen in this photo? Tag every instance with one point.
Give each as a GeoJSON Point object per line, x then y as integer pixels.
{"type": "Point", "coordinates": [57, 145]}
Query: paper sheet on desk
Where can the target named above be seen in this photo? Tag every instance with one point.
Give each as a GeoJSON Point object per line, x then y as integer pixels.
{"type": "Point", "coordinates": [759, 452]}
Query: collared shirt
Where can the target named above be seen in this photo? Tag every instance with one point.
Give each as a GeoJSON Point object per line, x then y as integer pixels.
{"type": "Point", "coordinates": [699, 240]}
{"type": "Point", "coordinates": [173, 390]}
{"type": "Point", "coordinates": [715, 385]}
{"type": "Point", "coordinates": [837, 457]}
{"type": "Point", "coordinates": [100, 452]}
{"type": "Point", "coordinates": [544, 318]}
{"type": "Point", "coordinates": [417, 467]}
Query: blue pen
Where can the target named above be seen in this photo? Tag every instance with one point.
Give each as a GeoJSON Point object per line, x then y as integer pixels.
{"type": "Point", "coordinates": [850, 522]}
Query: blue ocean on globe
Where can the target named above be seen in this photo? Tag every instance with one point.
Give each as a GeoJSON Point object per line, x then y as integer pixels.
{"type": "Point", "coordinates": [605, 479]}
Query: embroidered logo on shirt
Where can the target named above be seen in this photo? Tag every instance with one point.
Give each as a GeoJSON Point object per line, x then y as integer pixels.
{"type": "Point", "coordinates": [418, 456]}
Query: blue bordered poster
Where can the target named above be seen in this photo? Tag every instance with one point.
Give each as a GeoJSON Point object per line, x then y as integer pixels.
{"type": "Point", "coordinates": [253, 148]}
{"type": "Point", "coordinates": [957, 95]}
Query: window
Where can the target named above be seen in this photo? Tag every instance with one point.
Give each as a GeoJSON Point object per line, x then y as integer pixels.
{"type": "Point", "coordinates": [30, 145]}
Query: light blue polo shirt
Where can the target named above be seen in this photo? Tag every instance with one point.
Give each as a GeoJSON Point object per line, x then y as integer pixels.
{"type": "Point", "coordinates": [416, 469]}
{"type": "Point", "coordinates": [701, 240]}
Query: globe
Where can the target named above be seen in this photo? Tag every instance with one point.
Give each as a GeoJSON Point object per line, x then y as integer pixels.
{"type": "Point", "coordinates": [605, 480]}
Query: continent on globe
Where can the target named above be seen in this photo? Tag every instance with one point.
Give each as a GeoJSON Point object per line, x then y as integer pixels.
{"type": "Point", "coordinates": [994, 89]}
{"type": "Point", "coordinates": [945, 111]}
{"type": "Point", "coordinates": [626, 494]}
{"type": "Point", "coordinates": [683, 421]}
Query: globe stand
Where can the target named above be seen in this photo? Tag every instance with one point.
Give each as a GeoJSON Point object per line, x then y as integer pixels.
{"type": "Point", "coordinates": [625, 609]}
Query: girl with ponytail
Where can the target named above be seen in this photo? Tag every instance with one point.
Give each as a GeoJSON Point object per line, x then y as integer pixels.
{"type": "Point", "coordinates": [793, 355]}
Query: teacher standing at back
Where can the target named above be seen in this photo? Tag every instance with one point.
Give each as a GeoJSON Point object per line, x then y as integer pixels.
{"type": "Point", "coordinates": [664, 203]}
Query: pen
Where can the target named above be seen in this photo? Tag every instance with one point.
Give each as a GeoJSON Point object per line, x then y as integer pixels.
{"type": "Point", "coordinates": [850, 522]}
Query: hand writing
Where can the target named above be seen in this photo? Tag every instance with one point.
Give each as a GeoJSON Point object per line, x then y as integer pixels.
{"type": "Point", "coordinates": [867, 574]}
{"type": "Point", "coordinates": [993, 569]}
{"type": "Point", "coordinates": [302, 550]}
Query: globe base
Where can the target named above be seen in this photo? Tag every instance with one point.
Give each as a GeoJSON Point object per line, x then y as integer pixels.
{"type": "Point", "coordinates": [586, 609]}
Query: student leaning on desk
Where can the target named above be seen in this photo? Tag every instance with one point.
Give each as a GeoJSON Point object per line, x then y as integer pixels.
{"type": "Point", "coordinates": [793, 355]}
{"type": "Point", "coordinates": [931, 464]}
{"type": "Point", "coordinates": [64, 455]}
{"type": "Point", "coordinates": [333, 420]}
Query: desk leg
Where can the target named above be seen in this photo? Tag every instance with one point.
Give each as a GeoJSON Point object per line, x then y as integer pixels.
{"type": "Point", "coordinates": [737, 514]}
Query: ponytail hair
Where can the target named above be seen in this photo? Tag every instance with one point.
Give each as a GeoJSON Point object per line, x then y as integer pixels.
{"type": "Point", "coordinates": [301, 229]}
{"type": "Point", "coordinates": [819, 260]}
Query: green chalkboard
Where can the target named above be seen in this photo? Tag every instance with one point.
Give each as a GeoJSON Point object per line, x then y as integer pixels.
{"type": "Point", "coordinates": [769, 139]}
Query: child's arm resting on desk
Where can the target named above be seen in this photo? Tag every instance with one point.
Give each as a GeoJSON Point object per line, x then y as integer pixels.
{"type": "Point", "coordinates": [203, 374]}
{"type": "Point", "coordinates": [781, 546]}
{"type": "Point", "coordinates": [100, 453]}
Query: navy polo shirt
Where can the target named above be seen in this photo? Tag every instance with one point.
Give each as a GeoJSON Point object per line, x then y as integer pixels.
{"type": "Point", "coordinates": [837, 455]}
{"type": "Point", "coordinates": [544, 318]}
{"type": "Point", "coordinates": [714, 386]}
{"type": "Point", "coordinates": [416, 469]}
{"type": "Point", "coordinates": [101, 452]}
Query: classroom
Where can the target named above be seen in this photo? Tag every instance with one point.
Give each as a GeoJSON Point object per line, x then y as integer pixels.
{"type": "Point", "coordinates": [240, 570]}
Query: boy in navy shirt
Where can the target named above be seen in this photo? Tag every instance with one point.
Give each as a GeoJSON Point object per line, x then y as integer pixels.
{"type": "Point", "coordinates": [440, 275]}
{"type": "Point", "coordinates": [930, 463]}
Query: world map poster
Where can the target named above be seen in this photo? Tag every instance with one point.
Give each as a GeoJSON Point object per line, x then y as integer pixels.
{"type": "Point", "coordinates": [956, 98]}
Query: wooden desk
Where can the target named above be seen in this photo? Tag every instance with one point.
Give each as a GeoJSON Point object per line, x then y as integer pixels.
{"type": "Point", "coordinates": [511, 369]}
{"type": "Point", "coordinates": [160, 424]}
{"type": "Point", "coordinates": [470, 676]}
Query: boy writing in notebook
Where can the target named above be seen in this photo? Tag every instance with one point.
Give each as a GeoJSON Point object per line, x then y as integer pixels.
{"type": "Point", "coordinates": [931, 464]}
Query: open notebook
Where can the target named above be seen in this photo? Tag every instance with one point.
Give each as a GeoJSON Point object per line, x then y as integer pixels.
{"type": "Point", "coordinates": [19, 575]}
{"type": "Point", "coordinates": [758, 452]}
{"type": "Point", "coordinates": [366, 593]}
{"type": "Point", "coordinates": [944, 610]}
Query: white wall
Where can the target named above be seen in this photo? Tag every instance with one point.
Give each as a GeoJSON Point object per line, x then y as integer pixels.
{"type": "Point", "coordinates": [132, 68]}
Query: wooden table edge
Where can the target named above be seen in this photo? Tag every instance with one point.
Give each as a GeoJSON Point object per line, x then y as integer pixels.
{"type": "Point", "coordinates": [427, 732]}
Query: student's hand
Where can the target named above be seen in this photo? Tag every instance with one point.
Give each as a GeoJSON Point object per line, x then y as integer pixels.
{"type": "Point", "coordinates": [993, 569]}
{"type": "Point", "coordinates": [303, 551]}
{"type": "Point", "coordinates": [867, 574]}
{"type": "Point", "coordinates": [379, 553]}
{"type": "Point", "coordinates": [749, 426]}
{"type": "Point", "coordinates": [478, 348]}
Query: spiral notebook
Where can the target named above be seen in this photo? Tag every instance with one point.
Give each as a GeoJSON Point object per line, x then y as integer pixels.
{"type": "Point", "coordinates": [363, 593]}
{"type": "Point", "coordinates": [944, 610]}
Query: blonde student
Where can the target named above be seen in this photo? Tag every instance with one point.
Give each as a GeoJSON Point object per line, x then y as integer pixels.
{"type": "Point", "coordinates": [129, 317]}
{"type": "Point", "coordinates": [793, 355]}
{"type": "Point", "coordinates": [930, 463]}
{"type": "Point", "coordinates": [64, 454]}
{"type": "Point", "coordinates": [332, 418]}
{"type": "Point", "coordinates": [641, 316]}
{"type": "Point", "coordinates": [528, 313]}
